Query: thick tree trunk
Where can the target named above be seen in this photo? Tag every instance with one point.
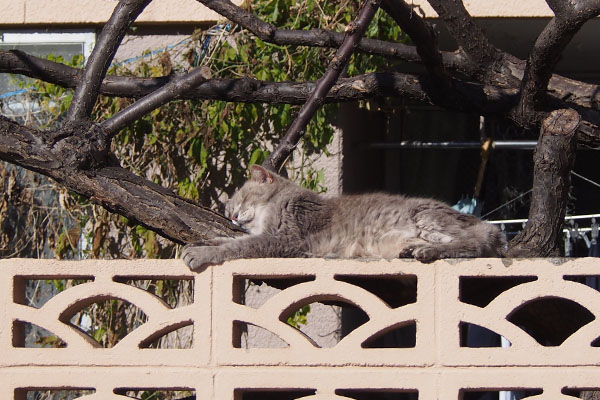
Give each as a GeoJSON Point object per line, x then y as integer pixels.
{"type": "Point", "coordinates": [552, 320]}
{"type": "Point", "coordinates": [553, 160]}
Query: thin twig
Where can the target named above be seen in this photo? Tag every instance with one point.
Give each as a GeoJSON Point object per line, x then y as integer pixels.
{"type": "Point", "coordinates": [311, 37]}
{"type": "Point", "coordinates": [176, 88]}
{"type": "Point", "coordinates": [110, 38]}
{"type": "Point", "coordinates": [547, 51]}
{"type": "Point", "coordinates": [354, 32]}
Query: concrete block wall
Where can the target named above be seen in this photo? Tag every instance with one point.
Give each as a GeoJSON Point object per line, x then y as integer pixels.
{"type": "Point", "coordinates": [437, 365]}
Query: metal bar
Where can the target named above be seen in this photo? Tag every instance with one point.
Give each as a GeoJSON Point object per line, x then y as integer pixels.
{"type": "Point", "coordinates": [415, 144]}
{"type": "Point", "coordinates": [520, 221]}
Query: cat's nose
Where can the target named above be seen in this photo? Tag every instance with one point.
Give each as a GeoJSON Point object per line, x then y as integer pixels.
{"type": "Point", "coordinates": [234, 218]}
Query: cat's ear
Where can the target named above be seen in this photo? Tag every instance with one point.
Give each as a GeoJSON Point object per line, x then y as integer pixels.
{"type": "Point", "coordinates": [260, 174]}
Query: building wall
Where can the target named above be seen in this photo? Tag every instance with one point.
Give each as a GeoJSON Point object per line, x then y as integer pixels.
{"type": "Point", "coordinates": [36, 12]}
{"type": "Point", "coordinates": [86, 12]}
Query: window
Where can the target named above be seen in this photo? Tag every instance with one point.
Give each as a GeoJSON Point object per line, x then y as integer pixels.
{"type": "Point", "coordinates": [19, 103]}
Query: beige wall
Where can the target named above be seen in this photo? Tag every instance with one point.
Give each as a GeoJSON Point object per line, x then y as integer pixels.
{"type": "Point", "coordinates": [35, 12]}
{"type": "Point", "coordinates": [436, 366]}
{"type": "Point", "coordinates": [494, 8]}
{"type": "Point", "coordinates": [191, 11]}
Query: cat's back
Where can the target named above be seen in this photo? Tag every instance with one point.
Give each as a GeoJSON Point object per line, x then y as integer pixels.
{"type": "Point", "coordinates": [368, 214]}
{"type": "Point", "coordinates": [368, 204]}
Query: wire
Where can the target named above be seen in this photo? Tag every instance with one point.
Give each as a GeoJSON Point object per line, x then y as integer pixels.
{"type": "Point", "coordinates": [507, 203]}
{"type": "Point", "coordinates": [585, 179]}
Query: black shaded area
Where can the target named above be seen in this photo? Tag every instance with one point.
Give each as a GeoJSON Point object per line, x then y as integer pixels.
{"type": "Point", "coordinates": [272, 394]}
{"type": "Point", "coordinates": [394, 290]}
{"type": "Point", "coordinates": [379, 394]}
{"type": "Point", "coordinates": [480, 291]}
{"type": "Point", "coordinates": [483, 394]}
{"type": "Point", "coordinates": [551, 320]}
{"type": "Point", "coordinates": [582, 393]}
{"type": "Point", "coordinates": [404, 336]}
{"type": "Point", "coordinates": [352, 318]}
{"type": "Point", "coordinates": [476, 336]}
{"type": "Point", "coordinates": [283, 282]}
{"type": "Point", "coordinates": [587, 280]}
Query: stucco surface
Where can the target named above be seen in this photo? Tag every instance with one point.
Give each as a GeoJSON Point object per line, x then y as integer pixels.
{"type": "Point", "coordinates": [98, 12]}
{"type": "Point", "coordinates": [436, 365]}
{"type": "Point", "coordinates": [191, 11]}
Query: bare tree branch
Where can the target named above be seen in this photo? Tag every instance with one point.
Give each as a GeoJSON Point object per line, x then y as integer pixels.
{"type": "Point", "coordinates": [176, 88]}
{"type": "Point", "coordinates": [474, 97]}
{"type": "Point", "coordinates": [109, 185]}
{"type": "Point", "coordinates": [469, 36]}
{"type": "Point", "coordinates": [109, 41]}
{"type": "Point", "coordinates": [546, 53]}
{"type": "Point", "coordinates": [354, 32]}
{"type": "Point", "coordinates": [420, 32]}
{"type": "Point", "coordinates": [14, 61]}
{"type": "Point", "coordinates": [311, 37]}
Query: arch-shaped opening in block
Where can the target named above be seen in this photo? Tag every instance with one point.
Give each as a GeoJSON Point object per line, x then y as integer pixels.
{"type": "Point", "coordinates": [35, 291]}
{"type": "Point", "coordinates": [272, 394]}
{"type": "Point", "coordinates": [26, 334]}
{"type": "Point", "coordinates": [318, 321]}
{"type": "Point", "coordinates": [580, 392]}
{"type": "Point", "coordinates": [394, 290]}
{"type": "Point", "coordinates": [53, 393]}
{"type": "Point", "coordinates": [105, 319]}
{"type": "Point", "coordinates": [176, 336]}
{"type": "Point", "coordinates": [157, 393]}
{"type": "Point", "coordinates": [592, 281]}
{"type": "Point", "coordinates": [318, 318]}
{"type": "Point", "coordinates": [403, 335]}
{"type": "Point", "coordinates": [254, 291]}
{"type": "Point", "coordinates": [249, 336]}
{"type": "Point", "coordinates": [379, 394]}
{"type": "Point", "coordinates": [176, 292]}
{"type": "Point", "coordinates": [550, 320]}
{"type": "Point", "coordinates": [493, 394]}
{"type": "Point", "coordinates": [473, 335]}
{"type": "Point", "coordinates": [481, 290]}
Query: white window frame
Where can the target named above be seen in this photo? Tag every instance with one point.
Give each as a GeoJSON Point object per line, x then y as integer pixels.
{"type": "Point", "coordinates": [87, 37]}
{"type": "Point", "coordinates": [30, 36]}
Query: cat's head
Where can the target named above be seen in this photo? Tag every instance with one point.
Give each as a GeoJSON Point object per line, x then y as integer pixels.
{"type": "Point", "coordinates": [247, 207]}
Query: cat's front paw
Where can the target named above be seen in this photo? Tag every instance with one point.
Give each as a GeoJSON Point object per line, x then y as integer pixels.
{"type": "Point", "coordinates": [427, 254]}
{"type": "Point", "coordinates": [197, 258]}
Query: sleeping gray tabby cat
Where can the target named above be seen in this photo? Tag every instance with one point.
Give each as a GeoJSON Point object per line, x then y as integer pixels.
{"type": "Point", "coordinates": [284, 220]}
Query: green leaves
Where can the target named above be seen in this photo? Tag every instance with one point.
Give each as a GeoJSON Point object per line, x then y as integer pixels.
{"type": "Point", "coordinates": [300, 317]}
{"type": "Point", "coordinates": [258, 156]}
